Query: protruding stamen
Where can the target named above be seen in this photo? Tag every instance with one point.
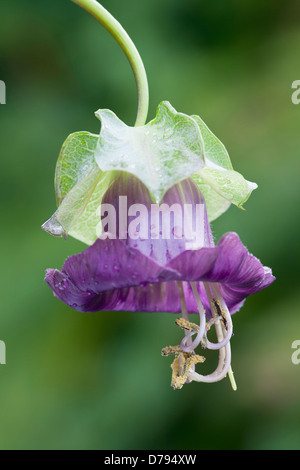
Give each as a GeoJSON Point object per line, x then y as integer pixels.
{"type": "Point", "coordinates": [212, 321]}
{"type": "Point", "coordinates": [232, 379]}
{"type": "Point", "coordinates": [220, 330]}
{"type": "Point", "coordinates": [187, 325]}
{"type": "Point", "coordinates": [185, 317]}
{"type": "Point", "coordinates": [218, 374]}
{"type": "Point", "coordinates": [215, 306]}
{"type": "Point", "coordinates": [217, 294]}
{"type": "Point", "coordinates": [183, 366]}
{"type": "Point", "coordinates": [201, 330]}
{"type": "Point", "coordinates": [183, 306]}
{"type": "Point", "coordinates": [224, 363]}
{"type": "Point", "coordinates": [168, 350]}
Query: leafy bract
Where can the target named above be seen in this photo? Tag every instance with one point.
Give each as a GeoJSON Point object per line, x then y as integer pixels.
{"type": "Point", "coordinates": [162, 153]}
{"type": "Point", "coordinates": [80, 186]}
{"type": "Point", "coordinates": [167, 150]}
{"type": "Point", "coordinates": [75, 161]}
{"type": "Point", "coordinates": [219, 183]}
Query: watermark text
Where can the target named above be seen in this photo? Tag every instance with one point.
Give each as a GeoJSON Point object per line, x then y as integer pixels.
{"type": "Point", "coordinates": [2, 92]}
{"type": "Point", "coordinates": [296, 354]}
{"type": "Point", "coordinates": [296, 94]}
{"type": "Point", "coordinates": [2, 352]}
{"type": "Point", "coordinates": [158, 221]}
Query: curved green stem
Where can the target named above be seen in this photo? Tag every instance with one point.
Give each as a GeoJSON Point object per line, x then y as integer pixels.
{"type": "Point", "coordinates": [120, 35]}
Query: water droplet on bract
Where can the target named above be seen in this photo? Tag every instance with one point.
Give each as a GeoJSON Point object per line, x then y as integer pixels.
{"type": "Point", "coordinates": [74, 305]}
{"type": "Point", "coordinates": [116, 268]}
{"type": "Point", "coordinates": [105, 267]}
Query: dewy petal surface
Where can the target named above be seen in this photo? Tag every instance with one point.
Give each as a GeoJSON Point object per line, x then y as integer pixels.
{"type": "Point", "coordinates": [100, 278]}
{"type": "Point", "coordinates": [141, 274]}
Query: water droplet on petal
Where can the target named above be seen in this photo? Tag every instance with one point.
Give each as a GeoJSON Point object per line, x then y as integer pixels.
{"type": "Point", "coordinates": [143, 284]}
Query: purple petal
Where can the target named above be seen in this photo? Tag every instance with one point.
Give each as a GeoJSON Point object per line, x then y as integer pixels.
{"type": "Point", "coordinates": [230, 264]}
{"type": "Point", "coordinates": [100, 277]}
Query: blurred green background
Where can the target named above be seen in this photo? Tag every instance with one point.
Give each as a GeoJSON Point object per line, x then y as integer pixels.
{"type": "Point", "coordinates": [97, 381]}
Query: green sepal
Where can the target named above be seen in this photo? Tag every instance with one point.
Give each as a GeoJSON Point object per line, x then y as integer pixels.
{"type": "Point", "coordinates": [162, 153]}
{"type": "Point", "coordinates": [219, 183]}
{"type": "Point", "coordinates": [80, 186]}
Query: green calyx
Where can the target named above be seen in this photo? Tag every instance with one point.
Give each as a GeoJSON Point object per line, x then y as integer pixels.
{"type": "Point", "coordinates": [167, 150]}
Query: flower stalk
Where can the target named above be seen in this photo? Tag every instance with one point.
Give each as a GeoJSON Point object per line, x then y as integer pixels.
{"type": "Point", "coordinates": [120, 35]}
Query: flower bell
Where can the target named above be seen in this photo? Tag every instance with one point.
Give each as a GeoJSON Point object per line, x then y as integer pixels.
{"type": "Point", "coordinates": [165, 272]}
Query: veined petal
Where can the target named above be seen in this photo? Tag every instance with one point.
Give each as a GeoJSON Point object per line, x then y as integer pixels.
{"type": "Point", "coordinates": [99, 277]}
{"type": "Point", "coordinates": [228, 262]}
{"type": "Point", "coordinates": [238, 273]}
